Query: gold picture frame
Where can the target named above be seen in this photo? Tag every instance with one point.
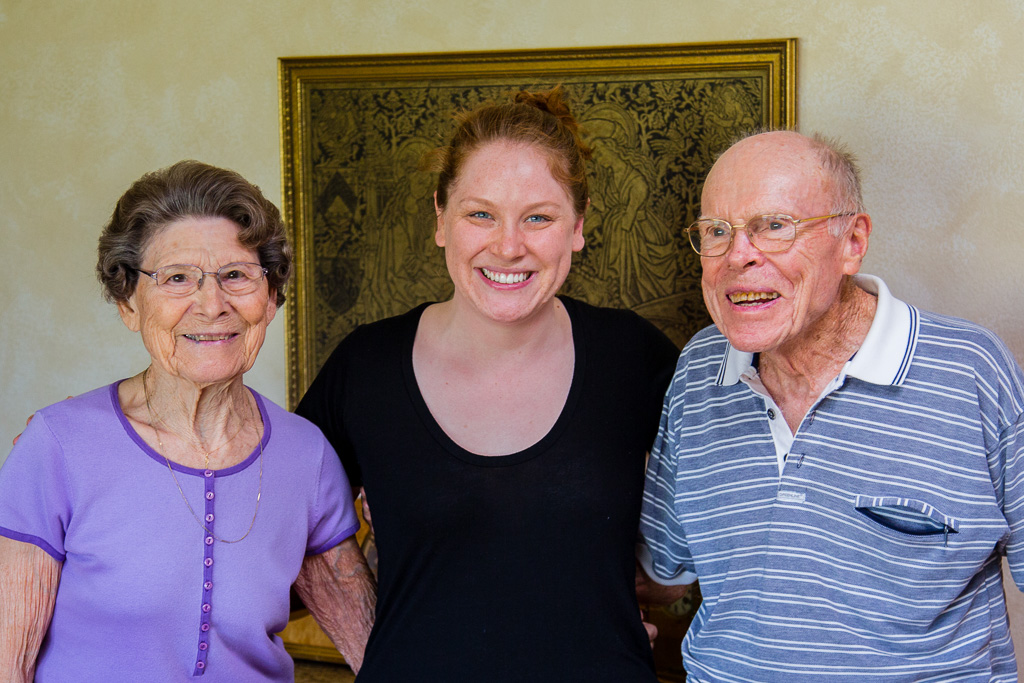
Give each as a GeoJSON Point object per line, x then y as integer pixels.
{"type": "Point", "coordinates": [359, 210]}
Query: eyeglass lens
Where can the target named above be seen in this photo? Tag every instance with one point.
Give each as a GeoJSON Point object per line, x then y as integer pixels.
{"type": "Point", "coordinates": [234, 278]}
{"type": "Point", "coordinates": [767, 233]}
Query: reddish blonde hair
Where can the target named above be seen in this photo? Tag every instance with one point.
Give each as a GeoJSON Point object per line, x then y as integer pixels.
{"type": "Point", "coordinates": [530, 118]}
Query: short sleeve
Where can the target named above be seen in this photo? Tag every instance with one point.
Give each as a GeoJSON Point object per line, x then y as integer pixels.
{"type": "Point", "coordinates": [662, 356]}
{"type": "Point", "coordinates": [662, 549]}
{"type": "Point", "coordinates": [324, 405]}
{"type": "Point", "coordinates": [1011, 447]}
{"type": "Point", "coordinates": [35, 494]}
{"type": "Point", "coordinates": [333, 514]}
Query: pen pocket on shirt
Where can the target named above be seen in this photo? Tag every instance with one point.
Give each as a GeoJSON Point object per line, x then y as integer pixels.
{"type": "Point", "coordinates": [907, 516]}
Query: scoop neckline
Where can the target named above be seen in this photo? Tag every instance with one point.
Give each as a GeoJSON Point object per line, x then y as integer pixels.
{"type": "Point", "coordinates": [178, 467]}
{"type": "Point", "coordinates": [531, 451]}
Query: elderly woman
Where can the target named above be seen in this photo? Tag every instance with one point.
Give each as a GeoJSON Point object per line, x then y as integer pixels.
{"type": "Point", "coordinates": [500, 435]}
{"type": "Point", "coordinates": [151, 529]}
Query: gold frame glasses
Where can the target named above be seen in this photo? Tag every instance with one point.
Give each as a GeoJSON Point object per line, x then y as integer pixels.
{"type": "Point", "coordinates": [768, 233]}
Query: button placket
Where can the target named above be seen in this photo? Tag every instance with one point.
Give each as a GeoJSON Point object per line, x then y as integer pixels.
{"type": "Point", "coordinates": [206, 606]}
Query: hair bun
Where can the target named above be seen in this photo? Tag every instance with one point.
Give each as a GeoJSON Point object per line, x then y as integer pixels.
{"type": "Point", "coordinates": [551, 101]}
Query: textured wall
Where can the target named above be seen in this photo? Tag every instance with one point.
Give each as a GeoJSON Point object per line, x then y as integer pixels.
{"type": "Point", "coordinates": [95, 92]}
{"type": "Point", "coordinates": [929, 93]}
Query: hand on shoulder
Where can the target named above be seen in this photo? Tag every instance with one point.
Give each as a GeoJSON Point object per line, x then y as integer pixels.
{"type": "Point", "coordinates": [18, 435]}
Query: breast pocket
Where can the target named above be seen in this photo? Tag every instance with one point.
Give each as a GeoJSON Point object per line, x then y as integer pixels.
{"type": "Point", "coordinates": [907, 516]}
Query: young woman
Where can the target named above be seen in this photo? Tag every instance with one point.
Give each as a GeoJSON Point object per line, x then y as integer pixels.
{"type": "Point", "coordinates": [500, 436]}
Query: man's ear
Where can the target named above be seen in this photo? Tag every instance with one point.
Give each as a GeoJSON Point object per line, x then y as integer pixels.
{"type": "Point", "coordinates": [855, 243]}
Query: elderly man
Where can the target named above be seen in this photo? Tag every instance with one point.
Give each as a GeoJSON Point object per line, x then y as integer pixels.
{"type": "Point", "coordinates": [841, 470]}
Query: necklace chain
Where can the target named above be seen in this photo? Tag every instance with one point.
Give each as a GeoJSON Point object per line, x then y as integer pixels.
{"type": "Point", "coordinates": [153, 419]}
{"type": "Point", "coordinates": [206, 453]}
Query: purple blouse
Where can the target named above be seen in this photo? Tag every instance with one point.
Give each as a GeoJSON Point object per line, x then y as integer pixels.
{"type": "Point", "coordinates": [146, 594]}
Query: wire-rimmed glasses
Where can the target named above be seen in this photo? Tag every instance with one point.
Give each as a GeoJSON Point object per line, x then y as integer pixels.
{"type": "Point", "coordinates": [769, 233]}
{"type": "Point", "coordinates": [183, 279]}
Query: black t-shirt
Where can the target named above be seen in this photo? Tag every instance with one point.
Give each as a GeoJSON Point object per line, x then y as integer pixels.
{"type": "Point", "coordinates": [502, 568]}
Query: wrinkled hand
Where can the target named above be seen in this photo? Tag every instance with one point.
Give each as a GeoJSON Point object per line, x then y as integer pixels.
{"type": "Point", "coordinates": [366, 507]}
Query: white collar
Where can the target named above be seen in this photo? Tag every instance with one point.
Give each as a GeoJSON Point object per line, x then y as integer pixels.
{"type": "Point", "coordinates": [883, 358]}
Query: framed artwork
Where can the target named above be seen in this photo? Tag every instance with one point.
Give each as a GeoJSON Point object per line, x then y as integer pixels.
{"type": "Point", "coordinates": [360, 210]}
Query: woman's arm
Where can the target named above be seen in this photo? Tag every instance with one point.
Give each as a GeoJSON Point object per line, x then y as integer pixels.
{"type": "Point", "coordinates": [341, 593]}
{"type": "Point", "coordinates": [28, 591]}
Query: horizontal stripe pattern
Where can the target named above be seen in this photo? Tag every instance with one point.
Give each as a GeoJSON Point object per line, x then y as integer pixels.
{"type": "Point", "coordinates": [876, 554]}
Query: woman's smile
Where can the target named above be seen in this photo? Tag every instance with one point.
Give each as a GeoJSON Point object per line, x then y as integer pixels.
{"type": "Point", "coordinates": [211, 337]}
{"type": "Point", "coordinates": [505, 278]}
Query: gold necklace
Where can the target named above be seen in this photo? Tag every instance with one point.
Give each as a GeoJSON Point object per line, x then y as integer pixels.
{"type": "Point", "coordinates": [206, 453]}
{"type": "Point", "coordinates": [153, 418]}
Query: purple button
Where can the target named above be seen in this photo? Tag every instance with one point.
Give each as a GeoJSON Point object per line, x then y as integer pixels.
{"type": "Point", "coordinates": [209, 517]}
{"type": "Point", "coordinates": [208, 562]}
{"type": "Point", "coordinates": [200, 665]}
{"type": "Point", "coordinates": [204, 628]}
{"type": "Point", "coordinates": [208, 473]}
{"type": "Point", "coordinates": [209, 540]}
{"type": "Point", "coordinates": [209, 495]}
{"type": "Point", "coordinates": [206, 607]}
{"type": "Point", "coordinates": [203, 646]}
{"type": "Point", "coordinates": [208, 585]}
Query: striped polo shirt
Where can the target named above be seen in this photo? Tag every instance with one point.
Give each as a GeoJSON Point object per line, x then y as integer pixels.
{"type": "Point", "coordinates": [866, 546]}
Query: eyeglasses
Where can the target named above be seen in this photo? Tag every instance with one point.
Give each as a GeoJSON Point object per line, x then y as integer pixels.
{"type": "Point", "coordinates": [769, 233]}
{"type": "Point", "coordinates": [182, 279]}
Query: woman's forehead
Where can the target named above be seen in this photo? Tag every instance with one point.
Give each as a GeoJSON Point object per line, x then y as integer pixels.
{"type": "Point", "coordinates": [501, 166]}
{"type": "Point", "coordinates": [201, 237]}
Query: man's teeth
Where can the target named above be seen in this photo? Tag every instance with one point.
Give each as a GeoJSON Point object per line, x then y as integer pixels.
{"type": "Point", "coordinates": [752, 297]}
{"type": "Point", "coordinates": [505, 278]}
{"type": "Point", "coordinates": [208, 337]}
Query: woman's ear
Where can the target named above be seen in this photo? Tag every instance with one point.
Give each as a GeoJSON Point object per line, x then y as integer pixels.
{"type": "Point", "coordinates": [439, 231]}
{"type": "Point", "coordinates": [271, 305]}
{"type": "Point", "coordinates": [577, 235]}
{"type": "Point", "coordinates": [577, 230]}
{"type": "Point", "coordinates": [129, 314]}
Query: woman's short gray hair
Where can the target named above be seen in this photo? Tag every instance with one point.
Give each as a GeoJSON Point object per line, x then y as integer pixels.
{"type": "Point", "coordinates": [189, 189]}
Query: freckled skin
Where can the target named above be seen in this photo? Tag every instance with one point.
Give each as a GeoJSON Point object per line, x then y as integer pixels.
{"type": "Point", "coordinates": [778, 173]}
{"type": "Point", "coordinates": [163, 321]}
{"type": "Point", "coordinates": [508, 214]}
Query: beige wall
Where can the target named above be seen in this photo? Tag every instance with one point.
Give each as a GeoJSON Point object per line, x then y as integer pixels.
{"type": "Point", "coordinates": [95, 92]}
